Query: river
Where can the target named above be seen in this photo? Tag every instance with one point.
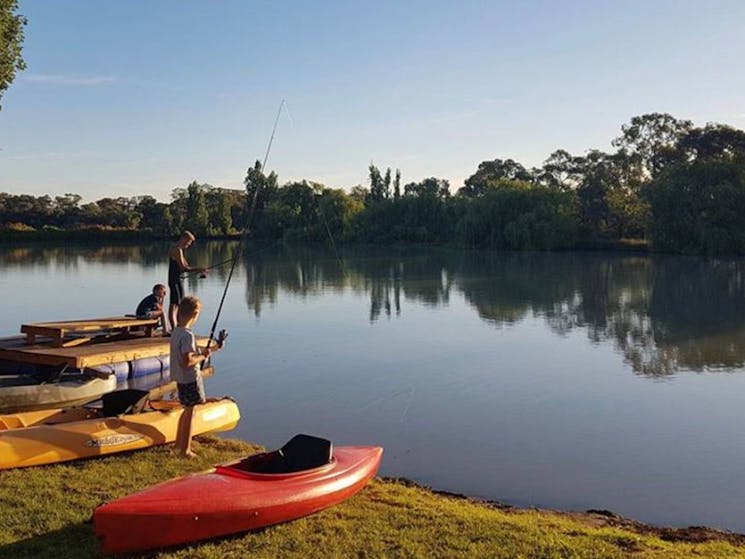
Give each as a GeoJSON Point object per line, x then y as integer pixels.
{"type": "Point", "coordinates": [562, 380]}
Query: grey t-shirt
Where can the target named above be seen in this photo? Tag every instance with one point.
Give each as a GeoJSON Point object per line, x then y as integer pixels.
{"type": "Point", "coordinates": [183, 341]}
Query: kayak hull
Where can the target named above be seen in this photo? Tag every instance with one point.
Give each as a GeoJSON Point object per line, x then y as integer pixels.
{"type": "Point", "coordinates": [18, 394]}
{"type": "Point", "coordinates": [225, 501]}
{"type": "Point", "coordinates": [100, 436]}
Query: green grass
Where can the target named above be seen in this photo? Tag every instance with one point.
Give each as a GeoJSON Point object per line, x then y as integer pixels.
{"type": "Point", "coordinates": [46, 513]}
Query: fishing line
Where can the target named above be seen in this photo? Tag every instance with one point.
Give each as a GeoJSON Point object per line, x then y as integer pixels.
{"type": "Point", "coordinates": [229, 260]}
{"type": "Point", "coordinates": [244, 234]}
{"type": "Point", "coordinates": [333, 244]}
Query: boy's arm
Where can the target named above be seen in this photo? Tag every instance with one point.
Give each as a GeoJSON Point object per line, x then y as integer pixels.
{"type": "Point", "coordinates": [191, 358]}
{"type": "Point", "coordinates": [183, 265]}
{"type": "Point", "coordinates": [178, 256]}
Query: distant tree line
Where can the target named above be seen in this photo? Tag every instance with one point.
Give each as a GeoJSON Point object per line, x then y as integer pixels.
{"type": "Point", "coordinates": [207, 210]}
{"type": "Point", "coordinates": [678, 186]}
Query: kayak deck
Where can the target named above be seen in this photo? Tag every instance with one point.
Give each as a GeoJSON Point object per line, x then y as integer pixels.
{"type": "Point", "coordinates": [108, 433]}
{"type": "Point", "coordinates": [229, 500]}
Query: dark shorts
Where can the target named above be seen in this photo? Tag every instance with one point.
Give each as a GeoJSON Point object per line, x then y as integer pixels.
{"type": "Point", "coordinates": [177, 292]}
{"type": "Point", "coordinates": [191, 393]}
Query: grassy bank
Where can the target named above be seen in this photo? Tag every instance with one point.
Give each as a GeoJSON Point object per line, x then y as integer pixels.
{"type": "Point", "coordinates": [46, 514]}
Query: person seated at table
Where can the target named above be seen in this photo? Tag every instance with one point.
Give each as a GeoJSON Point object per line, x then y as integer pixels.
{"type": "Point", "coordinates": [152, 305]}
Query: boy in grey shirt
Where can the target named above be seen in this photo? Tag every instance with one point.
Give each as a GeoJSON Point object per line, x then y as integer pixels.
{"type": "Point", "coordinates": [186, 365]}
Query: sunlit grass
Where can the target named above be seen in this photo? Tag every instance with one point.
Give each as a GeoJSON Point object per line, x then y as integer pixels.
{"type": "Point", "coordinates": [46, 513]}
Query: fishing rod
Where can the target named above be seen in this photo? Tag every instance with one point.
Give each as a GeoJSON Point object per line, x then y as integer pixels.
{"type": "Point", "coordinates": [212, 267]}
{"type": "Point", "coordinates": [244, 234]}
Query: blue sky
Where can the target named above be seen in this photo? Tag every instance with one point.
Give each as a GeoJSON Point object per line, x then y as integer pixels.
{"type": "Point", "coordinates": [140, 97]}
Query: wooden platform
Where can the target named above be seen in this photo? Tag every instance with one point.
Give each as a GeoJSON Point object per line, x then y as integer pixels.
{"type": "Point", "coordinates": [57, 331]}
{"type": "Point", "coordinates": [93, 354]}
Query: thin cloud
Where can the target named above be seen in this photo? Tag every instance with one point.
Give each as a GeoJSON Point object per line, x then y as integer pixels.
{"type": "Point", "coordinates": [53, 79]}
{"type": "Point", "coordinates": [56, 155]}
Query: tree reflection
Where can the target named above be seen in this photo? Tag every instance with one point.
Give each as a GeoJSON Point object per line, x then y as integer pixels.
{"type": "Point", "coordinates": [663, 313]}
{"type": "Point", "coordinates": [71, 255]}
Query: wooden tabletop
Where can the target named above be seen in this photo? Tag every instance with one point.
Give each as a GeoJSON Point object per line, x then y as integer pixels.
{"type": "Point", "coordinates": [59, 329]}
{"type": "Point", "coordinates": [90, 355]}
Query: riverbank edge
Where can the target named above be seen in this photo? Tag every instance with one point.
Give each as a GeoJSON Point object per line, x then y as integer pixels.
{"type": "Point", "coordinates": [597, 518]}
{"type": "Point", "coordinates": [48, 511]}
{"type": "Point", "coordinates": [102, 236]}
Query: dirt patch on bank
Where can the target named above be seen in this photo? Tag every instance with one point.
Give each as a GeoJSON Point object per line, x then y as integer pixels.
{"type": "Point", "coordinates": [691, 534]}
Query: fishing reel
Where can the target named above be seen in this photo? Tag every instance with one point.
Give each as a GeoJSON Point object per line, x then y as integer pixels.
{"type": "Point", "coordinates": [221, 337]}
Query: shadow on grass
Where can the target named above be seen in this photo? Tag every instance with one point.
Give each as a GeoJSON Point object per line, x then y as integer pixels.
{"type": "Point", "coordinates": [75, 541]}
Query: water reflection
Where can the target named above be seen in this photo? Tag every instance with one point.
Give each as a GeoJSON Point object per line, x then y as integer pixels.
{"type": "Point", "coordinates": [663, 313]}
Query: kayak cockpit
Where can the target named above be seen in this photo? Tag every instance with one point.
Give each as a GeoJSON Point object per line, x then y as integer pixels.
{"type": "Point", "coordinates": [301, 454]}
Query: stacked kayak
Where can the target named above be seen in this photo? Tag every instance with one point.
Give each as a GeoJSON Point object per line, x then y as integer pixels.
{"type": "Point", "coordinates": [126, 421]}
{"type": "Point", "coordinates": [303, 477]}
{"type": "Point", "coordinates": [36, 387]}
{"type": "Point", "coordinates": [52, 366]}
{"type": "Point", "coordinates": [25, 393]}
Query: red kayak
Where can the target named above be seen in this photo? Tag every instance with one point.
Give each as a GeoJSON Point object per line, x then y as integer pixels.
{"type": "Point", "coordinates": [305, 476]}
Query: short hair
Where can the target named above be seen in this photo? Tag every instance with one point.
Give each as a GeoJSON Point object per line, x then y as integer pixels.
{"type": "Point", "coordinates": [188, 307]}
{"type": "Point", "coordinates": [158, 286]}
{"type": "Point", "coordinates": [188, 235]}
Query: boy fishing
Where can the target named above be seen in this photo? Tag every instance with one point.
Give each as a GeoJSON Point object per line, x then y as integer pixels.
{"type": "Point", "coordinates": [186, 365]}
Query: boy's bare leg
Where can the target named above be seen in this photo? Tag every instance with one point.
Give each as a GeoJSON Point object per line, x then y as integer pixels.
{"type": "Point", "coordinates": [183, 433]}
{"type": "Point", "coordinates": [172, 310]}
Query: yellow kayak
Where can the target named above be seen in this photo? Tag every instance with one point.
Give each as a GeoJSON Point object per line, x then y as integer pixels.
{"type": "Point", "coordinates": [50, 436]}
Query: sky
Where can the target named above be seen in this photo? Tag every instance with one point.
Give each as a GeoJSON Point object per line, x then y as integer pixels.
{"type": "Point", "coordinates": [144, 96]}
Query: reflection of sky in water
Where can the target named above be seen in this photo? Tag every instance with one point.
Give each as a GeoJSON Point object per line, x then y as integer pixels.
{"type": "Point", "coordinates": [547, 379]}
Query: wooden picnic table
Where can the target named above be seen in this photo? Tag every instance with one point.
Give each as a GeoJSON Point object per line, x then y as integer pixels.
{"type": "Point", "coordinates": [100, 351]}
{"type": "Point", "coordinates": [60, 329]}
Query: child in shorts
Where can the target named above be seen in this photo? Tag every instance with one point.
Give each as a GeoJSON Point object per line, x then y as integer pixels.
{"type": "Point", "coordinates": [186, 365]}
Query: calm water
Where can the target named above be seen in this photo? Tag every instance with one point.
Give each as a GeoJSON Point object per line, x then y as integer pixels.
{"type": "Point", "coordinates": [566, 380]}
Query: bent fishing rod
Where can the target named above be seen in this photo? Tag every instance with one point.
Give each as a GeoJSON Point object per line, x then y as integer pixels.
{"type": "Point", "coordinates": [244, 234]}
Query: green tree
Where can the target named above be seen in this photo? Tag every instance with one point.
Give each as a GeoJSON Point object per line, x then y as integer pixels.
{"type": "Point", "coordinates": [519, 215]}
{"type": "Point", "coordinates": [603, 190]}
{"type": "Point", "coordinates": [713, 142]}
{"type": "Point", "coordinates": [493, 171]}
{"type": "Point", "coordinates": [66, 209]}
{"type": "Point", "coordinates": [177, 210]}
{"type": "Point", "coordinates": [559, 171]}
{"type": "Point", "coordinates": [154, 215]}
{"type": "Point", "coordinates": [698, 207]}
{"type": "Point", "coordinates": [292, 212]}
{"type": "Point", "coordinates": [219, 203]}
{"type": "Point", "coordinates": [651, 141]}
{"type": "Point", "coordinates": [359, 193]}
{"type": "Point", "coordinates": [118, 212]}
{"type": "Point", "coordinates": [377, 184]}
{"type": "Point", "coordinates": [197, 216]}
{"type": "Point", "coordinates": [263, 188]}
{"type": "Point", "coordinates": [397, 185]}
{"type": "Point", "coordinates": [223, 217]}
{"type": "Point", "coordinates": [11, 43]}
{"type": "Point", "coordinates": [338, 210]}
{"type": "Point", "coordinates": [437, 188]}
